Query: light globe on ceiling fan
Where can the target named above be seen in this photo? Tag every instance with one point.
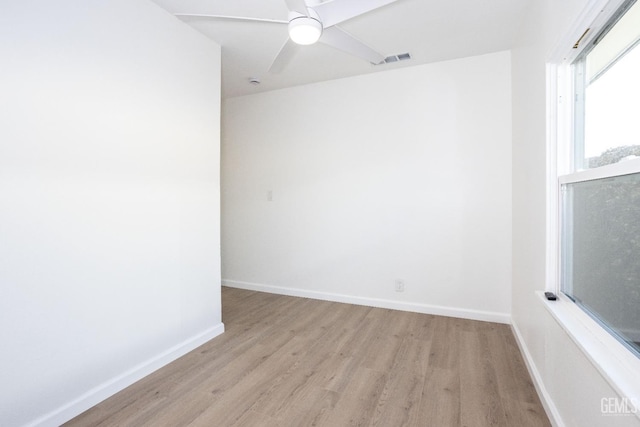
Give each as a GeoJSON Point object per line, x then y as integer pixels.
{"type": "Point", "coordinates": [311, 21]}
{"type": "Point", "coordinates": [305, 30]}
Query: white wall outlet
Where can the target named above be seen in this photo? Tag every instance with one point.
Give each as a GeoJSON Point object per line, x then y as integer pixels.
{"type": "Point", "coordinates": [270, 196]}
{"type": "Point", "coordinates": [399, 286]}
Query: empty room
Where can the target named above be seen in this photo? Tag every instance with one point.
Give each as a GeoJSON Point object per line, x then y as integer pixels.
{"type": "Point", "coordinates": [329, 213]}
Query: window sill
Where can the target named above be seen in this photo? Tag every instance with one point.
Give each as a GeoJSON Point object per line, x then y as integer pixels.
{"type": "Point", "coordinates": [619, 367]}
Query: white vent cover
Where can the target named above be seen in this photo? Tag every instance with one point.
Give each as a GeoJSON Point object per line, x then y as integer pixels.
{"type": "Point", "coordinates": [396, 58]}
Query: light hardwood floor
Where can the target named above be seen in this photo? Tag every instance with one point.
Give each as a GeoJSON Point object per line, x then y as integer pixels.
{"type": "Point", "coordinates": [286, 361]}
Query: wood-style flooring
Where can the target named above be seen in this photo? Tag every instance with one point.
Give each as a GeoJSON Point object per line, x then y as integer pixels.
{"type": "Point", "coordinates": [286, 361]}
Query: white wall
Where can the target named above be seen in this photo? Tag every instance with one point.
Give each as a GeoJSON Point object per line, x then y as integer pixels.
{"type": "Point", "coordinates": [569, 381]}
{"type": "Point", "coordinates": [109, 200]}
{"type": "Point", "coordinates": [404, 174]}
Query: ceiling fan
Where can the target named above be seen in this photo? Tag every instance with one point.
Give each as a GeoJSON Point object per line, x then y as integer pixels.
{"type": "Point", "coordinates": [311, 21]}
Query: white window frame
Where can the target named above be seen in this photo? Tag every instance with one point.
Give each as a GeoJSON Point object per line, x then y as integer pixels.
{"type": "Point", "coordinates": [617, 364]}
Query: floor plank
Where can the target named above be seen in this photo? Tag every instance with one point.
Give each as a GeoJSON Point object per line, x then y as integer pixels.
{"type": "Point", "coordinates": [286, 361]}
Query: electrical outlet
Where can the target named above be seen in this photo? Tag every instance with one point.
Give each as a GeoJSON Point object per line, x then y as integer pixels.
{"type": "Point", "coordinates": [399, 286]}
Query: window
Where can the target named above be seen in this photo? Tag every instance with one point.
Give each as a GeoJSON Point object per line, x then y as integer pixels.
{"type": "Point", "coordinates": [599, 195]}
{"type": "Point", "coordinates": [607, 89]}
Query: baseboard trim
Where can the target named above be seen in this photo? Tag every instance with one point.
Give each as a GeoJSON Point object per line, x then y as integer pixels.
{"type": "Point", "coordinates": [487, 316]}
{"type": "Point", "coordinates": [545, 398]}
{"type": "Point", "coordinates": [122, 381]}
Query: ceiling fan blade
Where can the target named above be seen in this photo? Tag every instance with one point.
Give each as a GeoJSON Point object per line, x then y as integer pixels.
{"type": "Point", "coordinates": [287, 52]}
{"type": "Point", "coordinates": [297, 6]}
{"type": "Point", "coordinates": [230, 18]}
{"type": "Point", "coordinates": [340, 39]}
{"type": "Point", "coordinates": [336, 11]}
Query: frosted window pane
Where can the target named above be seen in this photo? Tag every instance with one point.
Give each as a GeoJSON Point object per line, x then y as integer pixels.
{"type": "Point", "coordinates": [601, 252]}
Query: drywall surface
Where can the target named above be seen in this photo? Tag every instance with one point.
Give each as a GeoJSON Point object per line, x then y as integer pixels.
{"type": "Point", "coordinates": [109, 200]}
{"type": "Point", "coordinates": [342, 188]}
{"type": "Point", "coordinates": [572, 387]}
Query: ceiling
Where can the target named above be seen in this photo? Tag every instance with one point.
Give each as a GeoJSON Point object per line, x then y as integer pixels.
{"type": "Point", "coordinates": [430, 30]}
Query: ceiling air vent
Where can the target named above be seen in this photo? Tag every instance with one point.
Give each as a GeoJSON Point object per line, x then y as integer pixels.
{"type": "Point", "coordinates": [396, 58]}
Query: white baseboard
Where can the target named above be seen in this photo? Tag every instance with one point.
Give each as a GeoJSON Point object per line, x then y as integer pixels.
{"type": "Point", "coordinates": [122, 381]}
{"type": "Point", "coordinates": [545, 398]}
{"type": "Point", "coordinates": [487, 316]}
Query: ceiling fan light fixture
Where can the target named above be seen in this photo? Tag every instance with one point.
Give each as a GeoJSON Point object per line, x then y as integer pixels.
{"type": "Point", "coordinates": [305, 30]}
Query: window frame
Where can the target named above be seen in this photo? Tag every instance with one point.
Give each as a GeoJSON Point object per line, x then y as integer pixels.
{"type": "Point", "coordinates": [619, 366]}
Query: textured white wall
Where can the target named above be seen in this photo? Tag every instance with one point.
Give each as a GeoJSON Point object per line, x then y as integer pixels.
{"type": "Point", "coordinates": [404, 174]}
{"type": "Point", "coordinates": [109, 199]}
{"type": "Point", "coordinates": [574, 385]}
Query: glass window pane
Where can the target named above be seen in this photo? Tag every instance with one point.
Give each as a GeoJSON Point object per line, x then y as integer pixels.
{"type": "Point", "coordinates": [601, 252]}
{"type": "Point", "coordinates": [612, 128]}
{"type": "Point", "coordinates": [607, 129]}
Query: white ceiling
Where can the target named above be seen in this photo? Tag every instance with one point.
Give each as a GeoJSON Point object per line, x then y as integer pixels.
{"type": "Point", "coordinates": [430, 30]}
